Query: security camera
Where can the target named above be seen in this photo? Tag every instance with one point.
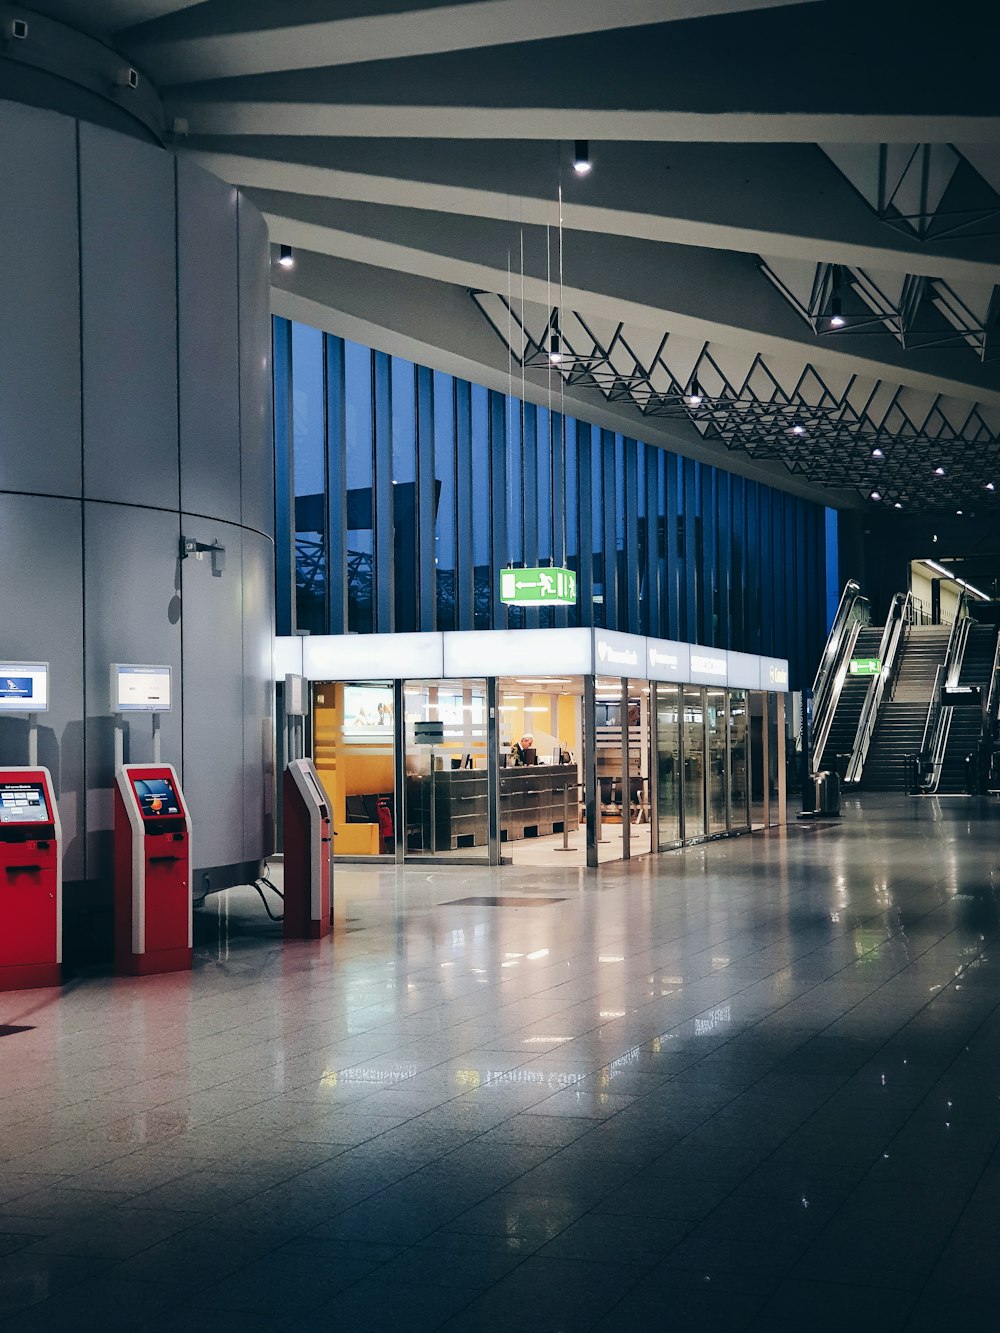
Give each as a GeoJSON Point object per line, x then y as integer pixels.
{"type": "Point", "coordinates": [128, 77]}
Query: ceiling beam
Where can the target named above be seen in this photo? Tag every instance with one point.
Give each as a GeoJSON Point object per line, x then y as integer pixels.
{"type": "Point", "coordinates": [714, 296]}
{"type": "Point", "coordinates": [223, 41]}
{"type": "Point", "coordinates": [786, 200]}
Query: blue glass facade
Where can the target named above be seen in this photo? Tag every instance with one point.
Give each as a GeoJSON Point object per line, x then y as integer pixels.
{"type": "Point", "coordinates": [409, 490]}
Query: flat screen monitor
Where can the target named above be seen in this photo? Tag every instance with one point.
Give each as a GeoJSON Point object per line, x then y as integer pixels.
{"type": "Point", "coordinates": [140, 689]}
{"type": "Point", "coordinates": [368, 713]}
{"type": "Point", "coordinates": [23, 803]}
{"type": "Point", "coordinates": [157, 797]}
{"type": "Point", "coordinates": [24, 687]}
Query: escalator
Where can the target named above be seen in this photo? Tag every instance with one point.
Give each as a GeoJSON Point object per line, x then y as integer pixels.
{"type": "Point", "coordinates": [843, 729]}
{"type": "Point", "coordinates": [902, 713]}
{"type": "Point", "coordinates": [963, 730]}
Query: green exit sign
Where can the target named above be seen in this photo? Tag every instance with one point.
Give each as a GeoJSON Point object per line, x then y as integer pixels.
{"type": "Point", "coordinates": [865, 666]}
{"type": "Point", "coordinates": [554, 587]}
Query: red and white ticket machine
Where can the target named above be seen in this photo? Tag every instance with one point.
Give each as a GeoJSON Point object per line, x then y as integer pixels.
{"type": "Point", "coordinates": [30, 880]}
{"type": "Point", "coordinates": [153, 907]}
{"type": "Point", "coordinates": [307, 839]}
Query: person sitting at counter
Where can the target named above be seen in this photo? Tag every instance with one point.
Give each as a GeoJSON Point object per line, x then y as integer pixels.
{"type": "Point", "coordinates": [523, 751]}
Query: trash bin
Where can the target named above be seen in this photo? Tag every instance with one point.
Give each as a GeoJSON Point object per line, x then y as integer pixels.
{"type": "Point", "coordinates": [827, 793]}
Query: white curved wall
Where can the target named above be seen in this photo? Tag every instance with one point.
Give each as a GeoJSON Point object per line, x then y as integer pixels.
{"type": "Point", "coordinates": [134, 409]}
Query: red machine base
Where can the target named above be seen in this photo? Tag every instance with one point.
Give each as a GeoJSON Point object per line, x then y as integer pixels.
{"type": "Point", "coordinates": [30, 976]}
{"type": "Point", "coordinates": [311, 930]}
{"type": "Point", "coordinates": [149, 964]}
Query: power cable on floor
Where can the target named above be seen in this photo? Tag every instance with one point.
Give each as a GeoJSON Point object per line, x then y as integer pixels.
{"type": "Point", "coordinates": [267, 909]}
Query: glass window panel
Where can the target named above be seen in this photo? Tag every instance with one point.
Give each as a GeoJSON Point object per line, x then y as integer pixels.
{"type": "Point", "coordinates": [739, 759]}
{"type": "Point", "coordinates": [668, 764]}
{"type": "Point", "coordinates": [309, 475]}
{"type": "Point", "coordinates": [694, 762]}
{"type": "Point", "coordinates": [446, 799]}
{"type": "Point", "coordinates": [444, 477]}
{"type": "Point", "coordinates": [353, 747]}
{"type": "Point", "coordinates": [481, 505]}
{"type": "Point", "coordinates": [715, 713]}
{"type": "Point", "coordinates": [358, 463]}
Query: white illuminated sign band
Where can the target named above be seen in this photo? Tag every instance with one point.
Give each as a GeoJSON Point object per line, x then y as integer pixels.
{"type": "Point", "coordinates": [617, 656]}
{"type": "Point", "coordinates": [670, 660]}
{"type": "Point", "coordinates": [708, 666]}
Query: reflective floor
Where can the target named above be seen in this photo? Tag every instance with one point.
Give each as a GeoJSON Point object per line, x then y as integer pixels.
{"type": "Point", "coordinates": [753, 1084]}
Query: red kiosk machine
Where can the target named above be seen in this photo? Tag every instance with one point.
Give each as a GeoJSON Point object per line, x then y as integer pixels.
{"type": "Point", "coordinates": [153, 908]}
{"type": "Point", "coordinates": [30, 879]}
{"type": "Point", "coordinates": [307, 835]}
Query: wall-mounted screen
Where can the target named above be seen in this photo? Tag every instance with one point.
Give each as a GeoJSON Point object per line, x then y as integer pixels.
{"type": "Point", "coordinates": [140, 689]}
{"type": "Point", "coordinates": [23, 803]}
{"type": "Point", "coordinates": [24, 687]}
{"type": "Point", "coordinates": [368, 712]}
{"type": "Point", "coordinates": [156, 797]}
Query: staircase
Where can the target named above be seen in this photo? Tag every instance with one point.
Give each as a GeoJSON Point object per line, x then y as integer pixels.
{"type": "Point", "coordinates": [965, 729]}
{"type": "Point", "coordinates": [844, 727]}
{"type": "Point", "coordinates": [900, 726]}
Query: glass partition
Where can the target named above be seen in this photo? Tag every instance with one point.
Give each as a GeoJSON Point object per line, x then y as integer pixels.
{"type": "Point", "coordinates": [694, 762]}
{"type": "Point", "coordinates": [353, 747]}
{"type": "Point", "coordinates": [715, 713]}
{"type": "Point", "coordinates": [640, 802]}
{"type": "Point", "coordinates": [612, 801]}
{"type": "Point", "coordinates": [757, 755]}
{"type": "Point", "coordinates": [668, 764]}
{"type": "Point", "coordinates": [540, 740]}
{"type": "Point", "coordinates": [775, 743]}
{"type": "Point", "coordinates": [739, 767]}
{"type": "Point", "coordinates": [447, 790]}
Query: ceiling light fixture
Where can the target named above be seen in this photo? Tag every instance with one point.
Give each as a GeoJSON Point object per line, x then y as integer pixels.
{"type": "Point", "coordinates": [285, 257]}
{"type": "Point", "coordinates": [798, 430]}
{"type": "Point", "coordinates": [897, 505]}
{"type": "Point", "coordinates": [939, 472]}
{"type": "Point", "coordinates": [555, 348]}
{"type": "Point", "coordinates": [581, 157]}
{"type": "Point", "coordinates": [877, 453]}
{"type": "Point", "coordinates": [837, 320]}
{"type": "Point", "coordinates": [990, 486]}
{"type": "Point", "coordinates": [955, 578]}
{"type": "Point", "coordinates": [876, 495]}
{"type": "Point", "coordinates": [693, 395]}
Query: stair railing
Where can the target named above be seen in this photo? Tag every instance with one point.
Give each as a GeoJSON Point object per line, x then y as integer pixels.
{"type": "Point", "coordinates": [991, 713]}
{"type": "Point", "coordinates": [853, 613]}
{"type": "Point", "coordinates": [900, 615]}
{"type": "Point", "coordinates": [938, 725]}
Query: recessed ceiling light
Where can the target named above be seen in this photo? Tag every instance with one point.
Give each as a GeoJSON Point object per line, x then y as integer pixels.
{"type": "Point", "coordinates": [877, 453]}
{"type": "Point", "coordinates": [897, 505]}
{"type": "Point", "coordinates": [939, 472]}
{"type": "Point", "coordinates": [798, 430]}
{"type": "Point", "coordinates": [958, 511]}
{"type": "Point", "coordinates": [990, 486]}
{"type": "Point", "coordinates": [876, 495]}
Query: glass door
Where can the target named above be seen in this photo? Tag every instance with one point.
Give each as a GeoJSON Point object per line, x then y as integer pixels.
{"type": "Point", "coordinates": [612, 798]}
{"type": "Point", "coordinates": [446, 804]}
{"type": "Point", "coordinates": [353, 749]}
{"type": "Point", "coordinates": [668, 764]}
{"type": "Point", "coordinates": [639, 724]}
{"type": "Point", "coordinates": [715, 712]}
{"type": "Point", "coordinates": [694, 762]}
{"type": "Point", "coordinates": [739, 765]}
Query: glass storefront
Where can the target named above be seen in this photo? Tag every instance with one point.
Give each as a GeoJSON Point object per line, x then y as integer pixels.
{"type": "Point", "coordinates": [567, 770]}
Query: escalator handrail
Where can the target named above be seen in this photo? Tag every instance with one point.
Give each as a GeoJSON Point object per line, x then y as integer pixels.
{"type": "Point", "coordinates": [938, 725]}
{"type": "Point", "coordinates": [900, 614]}
{"type": "Point", "coordinates": [853, 612]}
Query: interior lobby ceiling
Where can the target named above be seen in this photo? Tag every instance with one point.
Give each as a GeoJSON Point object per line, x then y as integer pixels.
{"type": "Point", "coordinates": [785, 259]}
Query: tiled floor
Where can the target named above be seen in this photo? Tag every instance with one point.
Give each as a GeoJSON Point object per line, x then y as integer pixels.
{"type": "Point", "coordinates": [755, 1084]}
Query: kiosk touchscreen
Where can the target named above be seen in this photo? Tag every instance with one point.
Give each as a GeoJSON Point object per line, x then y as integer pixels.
{"type": "Point", "coordinates": [152, 830]}
{"type": "Point", "coordinates": [308, 846]}
{"type": "Point", "coordinates": [31, 880]}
